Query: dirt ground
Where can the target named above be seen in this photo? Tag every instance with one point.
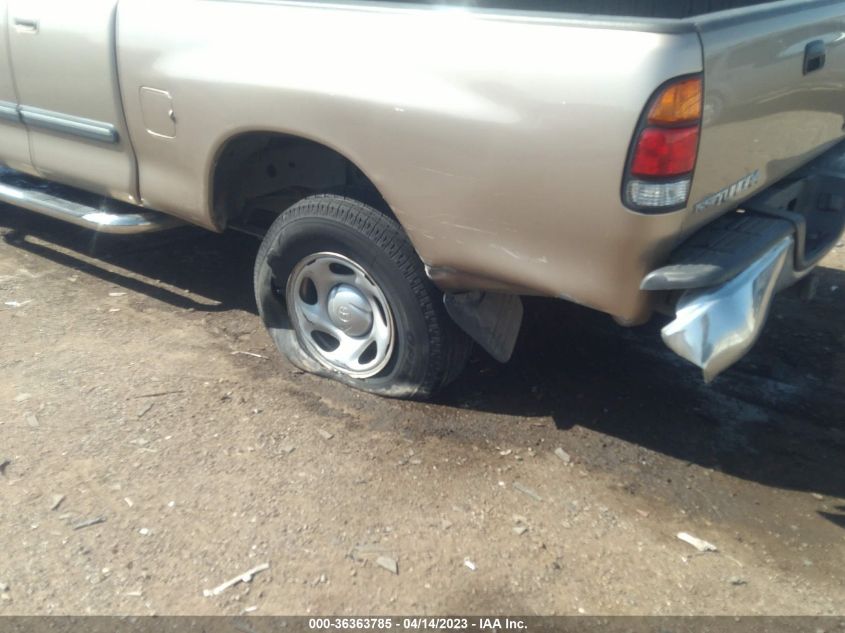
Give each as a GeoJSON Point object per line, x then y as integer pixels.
{"type": "Point", "coordinates": [125, 396]}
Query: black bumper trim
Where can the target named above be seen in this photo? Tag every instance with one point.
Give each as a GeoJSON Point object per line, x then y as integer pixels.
{"type": "Point", "coordinates": [719, 252]}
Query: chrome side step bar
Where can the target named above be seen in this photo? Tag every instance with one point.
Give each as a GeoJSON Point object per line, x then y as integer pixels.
{"type": "Point", "coordinates": [78, 207]}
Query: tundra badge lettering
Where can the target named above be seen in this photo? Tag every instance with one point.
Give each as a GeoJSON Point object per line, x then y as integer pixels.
{"type": "Point", "coordinates": [729, 193]}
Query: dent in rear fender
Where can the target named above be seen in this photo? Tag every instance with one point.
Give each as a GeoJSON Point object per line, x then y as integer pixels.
{"type": "Point", "coordinates": [501, 161]}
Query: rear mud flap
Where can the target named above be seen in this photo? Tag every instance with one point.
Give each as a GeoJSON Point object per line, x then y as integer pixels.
{"type": "Point", "coordinates": [491, 319]}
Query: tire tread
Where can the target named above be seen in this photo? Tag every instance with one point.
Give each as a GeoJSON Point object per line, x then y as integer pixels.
{"type": "Point", "coordinates": [448, 347]}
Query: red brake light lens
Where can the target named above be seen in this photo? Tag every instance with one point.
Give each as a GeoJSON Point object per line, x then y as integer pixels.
{"type": "Point", "coordinates": [665, 152]}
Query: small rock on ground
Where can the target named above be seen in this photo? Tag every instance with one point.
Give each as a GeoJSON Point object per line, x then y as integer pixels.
{"type": "Point", "coordinates": [56, 502]}
{"type": "Point", "coordinates": [526, 491]}
{"type": "Point", "coordinates": [565, 457]}
{"type": "Point", "coordinates": [89, 523]}
{"type": "Point", "coordinates": [697, 543]}
{"type": "Point", "coordinates": [388, 563]}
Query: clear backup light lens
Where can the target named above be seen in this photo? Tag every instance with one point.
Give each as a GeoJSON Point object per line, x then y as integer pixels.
{"type": "Point", "coordinates": [658, 194]}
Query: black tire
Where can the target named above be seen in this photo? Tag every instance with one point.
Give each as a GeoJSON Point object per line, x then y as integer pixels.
{"type": "Point", "coordinates": [429, 349]}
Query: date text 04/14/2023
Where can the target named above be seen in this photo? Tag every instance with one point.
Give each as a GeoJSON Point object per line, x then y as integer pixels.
{"type": "Point", "coordinates": [491, 624]}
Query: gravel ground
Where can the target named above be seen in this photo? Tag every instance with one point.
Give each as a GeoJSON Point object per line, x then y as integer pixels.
{"type": "Point", "coordinates": [155, 446]}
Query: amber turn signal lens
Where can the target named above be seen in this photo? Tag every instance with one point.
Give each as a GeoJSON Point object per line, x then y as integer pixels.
{"type": "Point", "coordinates": [678, 103]}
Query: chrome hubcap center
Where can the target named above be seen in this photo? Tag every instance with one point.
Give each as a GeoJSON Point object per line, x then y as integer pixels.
{"type": "Point", "coordinates": [349, 310]}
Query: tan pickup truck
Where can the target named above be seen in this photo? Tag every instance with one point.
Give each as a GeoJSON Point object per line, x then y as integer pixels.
{"type": "Point", "coordinates": [414, 168]}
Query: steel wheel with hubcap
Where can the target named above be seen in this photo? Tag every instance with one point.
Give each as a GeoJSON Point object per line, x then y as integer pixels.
{"type": "Point", "coordinates": [341, 315]}
{"type": "Point", "coordinates": [344, 295]}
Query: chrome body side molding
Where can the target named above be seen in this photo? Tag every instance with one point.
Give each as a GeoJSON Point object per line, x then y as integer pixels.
{"type": "Point", "coordinates": [67, 124]}
{"type": "Point", "coordinates": [9, 112]}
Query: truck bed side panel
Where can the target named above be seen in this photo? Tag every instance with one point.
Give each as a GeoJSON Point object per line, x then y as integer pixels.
{"type": "Point", "coordinates": [499, 141]}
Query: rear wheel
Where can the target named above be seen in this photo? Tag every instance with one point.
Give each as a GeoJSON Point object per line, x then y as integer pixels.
{"type": "Point", "coordinates": [344, 295]}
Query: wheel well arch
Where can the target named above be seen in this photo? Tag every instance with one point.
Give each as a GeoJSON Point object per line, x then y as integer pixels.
{"type": "Point", "coordinates": [258, 174]}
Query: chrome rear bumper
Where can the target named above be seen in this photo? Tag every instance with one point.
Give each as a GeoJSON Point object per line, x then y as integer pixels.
{"type": "Point", "coordinates": [715, 327]}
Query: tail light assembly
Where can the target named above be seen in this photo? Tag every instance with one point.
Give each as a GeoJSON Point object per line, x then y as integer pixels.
{"type": "Point", "coordinates": [663, 153]}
